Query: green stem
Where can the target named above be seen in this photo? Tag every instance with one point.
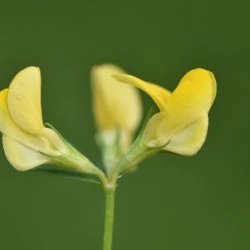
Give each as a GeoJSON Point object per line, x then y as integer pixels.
{"type": "Point", "coordinates": [109, 218]}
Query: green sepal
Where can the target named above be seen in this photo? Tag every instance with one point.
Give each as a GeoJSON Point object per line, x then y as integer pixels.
{"type": "Point", "coordinates": [138, 152]}
{"type": "Point", "coordinates": [70, 165]}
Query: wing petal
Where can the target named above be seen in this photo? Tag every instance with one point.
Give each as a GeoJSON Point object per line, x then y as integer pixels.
{"type": "Point", "coordinates": [189, 140]}
{"type": "Point", "coordinates": [21, 157]}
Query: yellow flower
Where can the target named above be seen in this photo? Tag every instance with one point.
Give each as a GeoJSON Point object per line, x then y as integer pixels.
{"type": "Point", "coordinates": [27, 142]}
{"type": "Point", "coordinates": [182, 123]}
{"type": "Point", "coordinates": [116, 106]}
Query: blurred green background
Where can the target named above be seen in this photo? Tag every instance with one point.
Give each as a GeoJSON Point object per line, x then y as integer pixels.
{"type": "Point", "coordinates": [172, 202]}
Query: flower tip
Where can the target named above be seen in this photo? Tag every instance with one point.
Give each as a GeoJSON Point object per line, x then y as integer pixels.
{"type": "Point", "coordinates": [107, 69]}
{"type": "Point", "coordinates": [200, 72]}
{"type": "Point", "coordinates": [29, 70]}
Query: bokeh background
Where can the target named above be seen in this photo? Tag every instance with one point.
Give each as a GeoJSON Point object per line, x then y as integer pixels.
{"type": "Point", "coordinates": [171, 202]}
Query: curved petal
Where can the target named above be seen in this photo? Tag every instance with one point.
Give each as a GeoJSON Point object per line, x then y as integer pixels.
{"type": "Point", "coordinates": [10, 129]}
{"type": "Point", "coordinates": [57, 143]}
{"type": "Point", "coordinates": [186, 141]}
{"type": "Point", "coordinates": [152, 135]}
{"type": "Point", "coordinates": [115, 105]}
{"type": "Point", "coordinates": [183, 125]}
{"type": "Point", "coordinates": [189, 140]}
{"type": "Point", "coordinates": [20, 157]}
{"type": "Point", "coordinates": [157, 93]}
{"type": "Point", "coordinates": [192, 98]}
{"type": "Point", "coordinates": [24, 100]}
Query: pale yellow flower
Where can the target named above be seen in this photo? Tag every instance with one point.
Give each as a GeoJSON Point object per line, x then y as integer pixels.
{"type": "Point", "coordinates": [27, 142]}
{"type": "Point", "coordinates": [182, 123]}
{"type": "Point", "coordinates": [117, 106]}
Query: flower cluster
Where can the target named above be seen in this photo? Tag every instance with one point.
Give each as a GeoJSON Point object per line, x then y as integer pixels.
{"type": "Point", "coordinates": [180, 125]}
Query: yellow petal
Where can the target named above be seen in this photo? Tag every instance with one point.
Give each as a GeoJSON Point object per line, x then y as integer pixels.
{"type": "Point", "coordinates": [183, 124]}
{"type": "Point", "coordinates": [20, 157]}
{"type": "Point", "coordinates": [189, 140]}
{"type": "Point", "coordinates": [7, 126]}
{"type": "Point", "coordinates": [152, 135]}
{"type": "Point", "coordinates": [157, 93]}
{"type": "Point", "coordinates": [192, 98]}
{"type": "Point", "coordinates": [57, 144]}
{"type": "Point", "coordinates": [24, 100]}
{"type": "Point", "coordinates": [115, 105]}
{"type": "Point", "coordinates": [42, 143]}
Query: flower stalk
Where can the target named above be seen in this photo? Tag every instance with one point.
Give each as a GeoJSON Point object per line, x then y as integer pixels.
{"type": "Point", "coordinates": [109, 216]}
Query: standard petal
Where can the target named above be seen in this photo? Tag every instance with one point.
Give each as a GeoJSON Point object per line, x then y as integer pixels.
{"type": "Point", "coordinates": [116, 105]}
{"type": "Point", "coordinates": [189, 140]}
{"type": "Point", "coordinates": [157, 93]}
{"type": "Point", "coordinates": [20, 157]}
{"type": "Point", "coordinates": [24, 100]}
{"type": "Point", "coordinates": [10, 129]}
{"type": "Point", "coordinates": [192, 98]}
